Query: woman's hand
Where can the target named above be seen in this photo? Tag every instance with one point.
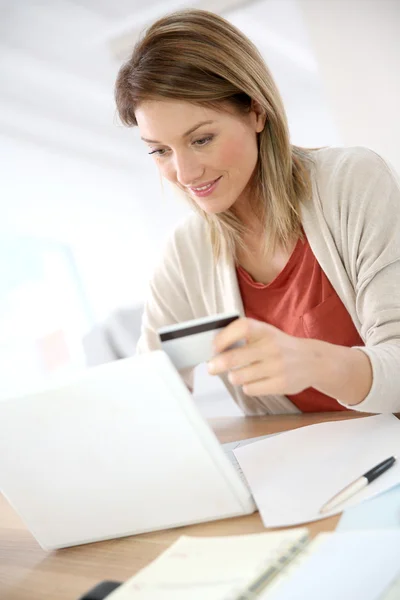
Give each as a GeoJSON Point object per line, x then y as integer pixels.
{"type": "Point", "coordinates": [273, 362]}
{"type": "Point", "coordinates": [270, 361]}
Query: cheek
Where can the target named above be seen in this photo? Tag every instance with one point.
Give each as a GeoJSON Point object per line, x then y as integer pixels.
{"type": "Point", "coordinates": [239, 155]}
{"type": "Point", "coordinates": [165, 169]}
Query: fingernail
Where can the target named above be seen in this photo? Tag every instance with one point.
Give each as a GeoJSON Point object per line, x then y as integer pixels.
{"type": "Point", "coordinates": [211, 367]}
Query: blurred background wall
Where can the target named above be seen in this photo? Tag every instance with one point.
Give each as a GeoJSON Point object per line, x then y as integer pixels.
{"type": "Point", "coordinates": [84, 215]}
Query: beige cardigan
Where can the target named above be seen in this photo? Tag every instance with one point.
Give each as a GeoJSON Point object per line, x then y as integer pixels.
{"type": "Point", "coordinates": [353, 226]}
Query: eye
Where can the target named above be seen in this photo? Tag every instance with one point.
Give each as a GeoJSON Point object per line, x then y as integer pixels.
{"type": "Point", "coordinates": [159, 152]}
{"type": "Point", "coordinates": [203, 141]}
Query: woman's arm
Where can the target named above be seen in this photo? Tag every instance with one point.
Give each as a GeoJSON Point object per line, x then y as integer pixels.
{"type": "Point", "coordinates": [365, 378]}
{"type": "Point", "coordinates": [372, 206]}
{"type": "Point", "coordinates": [273, 362]}
{"type": "Point", "coordinates": [340, 372]}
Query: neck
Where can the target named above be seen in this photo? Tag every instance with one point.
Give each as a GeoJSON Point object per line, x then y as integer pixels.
{"type": "Point", "coordinates": [245, 213]}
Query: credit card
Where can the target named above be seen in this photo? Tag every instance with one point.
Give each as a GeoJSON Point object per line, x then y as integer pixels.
{"type": "Point", "coordinates": [190, 343]}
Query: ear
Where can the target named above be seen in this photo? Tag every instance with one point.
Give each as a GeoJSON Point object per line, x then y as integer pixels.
{"type": "Point", "coordinates": [259, 115]}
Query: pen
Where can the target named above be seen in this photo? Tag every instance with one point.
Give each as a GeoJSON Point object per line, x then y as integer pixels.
{"type": "Point", "coordinates": [358, 484]}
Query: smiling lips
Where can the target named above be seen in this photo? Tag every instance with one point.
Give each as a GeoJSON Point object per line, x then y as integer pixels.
{"type": "Point", "coordinates": [205, 189]}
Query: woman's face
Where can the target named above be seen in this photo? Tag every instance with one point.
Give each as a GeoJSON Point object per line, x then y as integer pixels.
{"type": "Point", "coordinates": [210, 154]}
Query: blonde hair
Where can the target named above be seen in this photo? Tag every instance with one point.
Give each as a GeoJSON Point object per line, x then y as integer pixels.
{"type": "Point", "coordinates": [199, 57]}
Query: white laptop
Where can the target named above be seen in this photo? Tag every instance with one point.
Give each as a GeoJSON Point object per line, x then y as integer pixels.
{"type": "Point", "coordinates": [122, 450]}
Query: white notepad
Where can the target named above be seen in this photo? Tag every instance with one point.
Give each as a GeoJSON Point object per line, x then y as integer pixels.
{"type": "Point", "coordinates": [214, 568]}
{"type": "Point", "coordinates": [273, 566]}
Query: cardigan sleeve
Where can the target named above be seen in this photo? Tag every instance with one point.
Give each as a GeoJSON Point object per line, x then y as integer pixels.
{"type": "Point", "coordinates": [373, 230]}
{"type": "Point", "coordinates": [166, 303]}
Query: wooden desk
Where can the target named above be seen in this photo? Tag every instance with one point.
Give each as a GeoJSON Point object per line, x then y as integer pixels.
{"type": "Point", "coordinates": [29, 573]}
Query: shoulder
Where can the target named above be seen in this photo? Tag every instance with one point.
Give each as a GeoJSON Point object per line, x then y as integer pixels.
{"type": "Point", "coordinates": [352, 176]}
{"type": "Point", "coordinates": [338, 164]}
{"type": "Point", "coordinates": [188, 238]}
{"type": "Point", "coordinates": [192, 230]}
{"type": "Point", "coordinates": [184, 273]}
{"type": "Point", "coordinates": [187, 249]}
{"type": "Point", "coordinates": [356, 206]}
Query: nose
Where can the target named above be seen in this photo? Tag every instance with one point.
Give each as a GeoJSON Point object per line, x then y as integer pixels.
{"type": "Point", "coordinates": [189, 169]}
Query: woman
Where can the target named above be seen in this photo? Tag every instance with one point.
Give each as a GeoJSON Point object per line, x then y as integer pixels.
{"type": "Point", "coordinates": [305, 244]}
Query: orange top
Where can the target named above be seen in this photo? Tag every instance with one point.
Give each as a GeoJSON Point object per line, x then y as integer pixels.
{"type": "Point", "coordinates": [303, 303]}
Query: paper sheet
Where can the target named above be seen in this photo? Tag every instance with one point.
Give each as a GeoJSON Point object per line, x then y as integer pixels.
{"type": "Point", "coordinates": [382, 512]}
{"type": "Point", "coordinates": [293, 474]}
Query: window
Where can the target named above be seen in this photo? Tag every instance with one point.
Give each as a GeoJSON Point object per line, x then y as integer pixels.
{"type": "Point", "coordinates": [43, 312]}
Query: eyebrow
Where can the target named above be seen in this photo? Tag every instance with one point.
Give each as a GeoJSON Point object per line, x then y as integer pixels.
{"type": "Point", "coordinates": [191, 130]}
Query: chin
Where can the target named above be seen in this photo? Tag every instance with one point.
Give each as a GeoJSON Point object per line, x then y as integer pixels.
{"type": "Point", "coordinates": [214, 207]}
{"type": "Point", "coordinates": [214, 211]}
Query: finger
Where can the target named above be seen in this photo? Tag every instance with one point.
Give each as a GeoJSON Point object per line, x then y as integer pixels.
{"type": "Point", "coordinates": [238, 357]}
{"type": "Point", "coordinates": [264, 387]}
{"type": "Point", "coordinates": [241, 329]}
{"type": "Point", "coordinates": [249, 374]}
